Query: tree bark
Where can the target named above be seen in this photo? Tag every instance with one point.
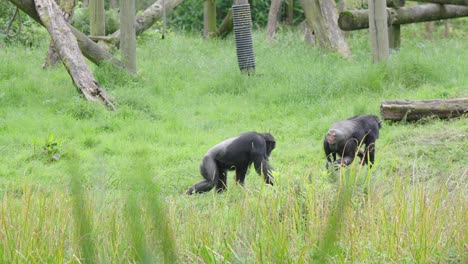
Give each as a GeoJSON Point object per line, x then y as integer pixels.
{"type": "Point", "coordinates": [414, 110]}
{"type": "Point", "coordinates": [97, 24]}
{"type": "Point", "coordinates": [321, 16]}
{"type": "Point", "coordinates": [89, 48]}
{"type": "Point", "coordinates": [67, 46]}
{"type": "Point", "coordinates": [209, 18]}
{"type": "Point", "coordinates": [359, 19]}
{"type": "Point", "coordinates": [273, 19]}
{"type": "Point", "coordinates": [378, 30]}
{"type": "Point", "coordinates": [128, 36]}
{"type": "Point", "coordinates": [67, 7]}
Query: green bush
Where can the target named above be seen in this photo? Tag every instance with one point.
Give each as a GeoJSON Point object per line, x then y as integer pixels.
{"type": "Point", "coordinates": [189, 15]}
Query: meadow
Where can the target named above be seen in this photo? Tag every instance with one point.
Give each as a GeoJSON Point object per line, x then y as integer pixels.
{"type": "Point", "coordinates": [82, 184]}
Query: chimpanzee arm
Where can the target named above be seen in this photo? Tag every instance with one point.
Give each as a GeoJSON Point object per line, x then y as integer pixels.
{"type": "Point", "coordinates": [263, 168]}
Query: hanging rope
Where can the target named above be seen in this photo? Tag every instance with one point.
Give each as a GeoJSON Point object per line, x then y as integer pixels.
{"type": "Point", "coordinates": [17, 13]}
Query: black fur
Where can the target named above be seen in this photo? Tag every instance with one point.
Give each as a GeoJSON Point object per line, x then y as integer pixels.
{"type": "Point", "coordinates": [345, 138]}
{"type": "Point", "coordinates": [237, 154]}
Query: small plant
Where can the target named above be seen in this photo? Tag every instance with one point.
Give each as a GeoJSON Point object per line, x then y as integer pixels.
{"type": "Point", "coordinates": [49, 150]}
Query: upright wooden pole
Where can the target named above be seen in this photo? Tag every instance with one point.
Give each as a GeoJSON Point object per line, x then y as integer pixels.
{"type": "Point", "coordinates": [378, 29]}
{"type": "Point", "coordinates": [209, 18]}
{"type": "Point", "coordinates": [97, 25]}
{"type": "Point", "coordinates": [127, 34]}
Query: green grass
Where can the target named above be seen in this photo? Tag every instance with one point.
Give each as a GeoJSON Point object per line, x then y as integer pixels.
{"type": "Point", "coordinates": [79, 183]}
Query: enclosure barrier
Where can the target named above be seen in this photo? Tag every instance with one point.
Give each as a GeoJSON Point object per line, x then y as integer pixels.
{"type": "Point", "coordinates": [243, 37]}
{"type": "Point", "coordinates": [397, 14]}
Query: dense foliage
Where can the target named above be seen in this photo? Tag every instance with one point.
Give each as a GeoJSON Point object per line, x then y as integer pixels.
{"type": "Point", "coordinates": [189, 15]}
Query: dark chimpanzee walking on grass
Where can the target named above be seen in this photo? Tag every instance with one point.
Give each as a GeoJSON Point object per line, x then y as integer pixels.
{"type": "Point", "coordinates": [346, 137]}
{"type": "Point", "coordinates": [237, 154]}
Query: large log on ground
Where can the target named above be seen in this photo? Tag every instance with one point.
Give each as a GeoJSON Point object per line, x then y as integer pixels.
{"type": "Point", "coordinates": [146, 19]}
{"type": "Point", "coordinates": [90, 50]}
{"type": "Point", "coordinates": [414, 110]}
{"type": "Point", "coordinates": [445, 2]}
{"type": "Point", "coordinates": [67, 46]}
{"type": "Point", "coordinates": [359, 19]}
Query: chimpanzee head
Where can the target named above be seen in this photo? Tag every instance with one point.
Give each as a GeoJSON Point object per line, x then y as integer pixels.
{"type": "Point", "coordinates": [270, 142]}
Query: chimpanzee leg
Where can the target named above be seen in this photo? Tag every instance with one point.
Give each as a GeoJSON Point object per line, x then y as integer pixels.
{"type": "Point", "coordinates": [210, 172]}
{"type": "Point", "coordinates": [221, 184]}
{"type": "Point", "coordinates": [240, 174]}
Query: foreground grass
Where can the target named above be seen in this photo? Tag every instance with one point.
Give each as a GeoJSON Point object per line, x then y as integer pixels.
{"type": "Point", "coordinates": [130, 167]}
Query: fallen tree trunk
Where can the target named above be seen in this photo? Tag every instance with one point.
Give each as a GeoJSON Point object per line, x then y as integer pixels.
{"type": "Point", "coordinates": [414, 110]}
{"type": "Point", "coordinates": [226, 26]}
{"type": "Point", "coordinates": [445, 2]}
{"type": "Point", "coordinates": [90, 50]}
{"type": "Point", "coordinates": [359, 19]}
{"type": "Point", "coordinates": [67, 46]}
{"type": "Point", "coordinates": [67, 7]}
{"type": "Point", "coordinates": [146, 19]}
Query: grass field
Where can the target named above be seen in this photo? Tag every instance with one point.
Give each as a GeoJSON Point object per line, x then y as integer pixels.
{"type": "Point", "coordinates": [81, 184]}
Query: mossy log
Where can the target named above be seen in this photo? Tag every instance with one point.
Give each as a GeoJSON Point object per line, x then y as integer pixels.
{"type": "Point", "coordinates": [359, 19]}
{"type": "Point", "coordinates": [414, 110]}
{"type": "Point", "coordinates": [67, 46]}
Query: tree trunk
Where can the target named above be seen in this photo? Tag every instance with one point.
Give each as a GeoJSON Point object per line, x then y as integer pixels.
{"type": "Point", "coordinates": [378, 30]}
{"type": "Point", "coordinates": [85, 3]}
{"type": "Point", "coordinates": [273, 19]}
{"type": "Point", "coordinates": [67, 46]}
{"type": "Point", "coordinates": [321, 16]}
{"type": "Point", "coordinates": [209, 18]}
{"type": "Point", "coordinates": [226, 26]}
{"type": "Point", "coordinates": [89, 48]}
{"type": "Point", "coordinates": [97, 24]}
{"type": "Point", "coordinates": [128, 36]}
{"type": "Point", "coordinates": [359, 19]}
{"type": "Point", "coordinates": [415, 110]}
{"type": "Point", "coordinates": [67, 7]}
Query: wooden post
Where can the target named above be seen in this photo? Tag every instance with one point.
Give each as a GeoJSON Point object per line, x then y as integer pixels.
{"type": "Point", "coordinates": [97, 25]}
{"type": "Point", "coordinates": [209, 18]}
{"type": "Point", "coordinates": [378, 30]}
{"type": "Point", "coordinates": [128, 36]}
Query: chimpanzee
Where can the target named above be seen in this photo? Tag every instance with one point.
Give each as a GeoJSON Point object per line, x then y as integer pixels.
{"type": "Point", "coordinates": [236, 153]}
{"type": "Point", "coordinates": [345, 138]}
